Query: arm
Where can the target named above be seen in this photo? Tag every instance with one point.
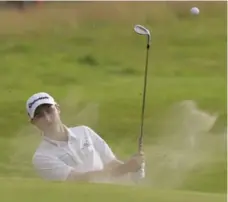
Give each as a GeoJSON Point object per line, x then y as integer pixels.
{"type": "Point", "coordinates": [120, 168]}
{"type": "Point", "coordinates": [87, 176]}
{"type": "Point", "coordinates": [53, 169]}
{"type": "Point", "coordinates": [114, 165]}
{"type": "Point", "coordinates": [109, 159]}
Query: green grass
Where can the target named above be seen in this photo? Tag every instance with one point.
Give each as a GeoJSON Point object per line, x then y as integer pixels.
{"type": "Point", "coordinates": [88, 57]}
{"type": "Point", "coordinates": [71, 192]}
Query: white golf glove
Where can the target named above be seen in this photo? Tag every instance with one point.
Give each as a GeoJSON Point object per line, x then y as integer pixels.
{"type": "Point", "coordinates": [140, 174]}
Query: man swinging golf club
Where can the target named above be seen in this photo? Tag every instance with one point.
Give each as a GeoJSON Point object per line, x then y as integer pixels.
{"type": "Point", "coordinates": [74, 153]}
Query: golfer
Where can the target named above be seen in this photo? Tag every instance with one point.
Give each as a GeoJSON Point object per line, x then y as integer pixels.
{"type": "Point", "coordinates": [74, 153]}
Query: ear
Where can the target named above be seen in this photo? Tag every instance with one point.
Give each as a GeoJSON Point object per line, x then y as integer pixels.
{"type": "Point", "coordinates": [58, 108]}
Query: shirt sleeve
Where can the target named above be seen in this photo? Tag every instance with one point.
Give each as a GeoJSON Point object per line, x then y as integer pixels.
{"type": "Point", "coordinates": [101, 146]}
{"type": "Point", "coordinates": [51, 168]}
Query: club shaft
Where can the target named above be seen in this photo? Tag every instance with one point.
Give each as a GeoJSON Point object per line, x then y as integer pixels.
{"type": "Point", "coordinates": [143, 101]}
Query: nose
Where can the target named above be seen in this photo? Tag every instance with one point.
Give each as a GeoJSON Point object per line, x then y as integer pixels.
{"type": "Point", "coordinates": [47, 117]}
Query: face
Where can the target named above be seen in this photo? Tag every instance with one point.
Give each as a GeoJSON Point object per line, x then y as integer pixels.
{"type": "Point", "coordinates": [46, 117]}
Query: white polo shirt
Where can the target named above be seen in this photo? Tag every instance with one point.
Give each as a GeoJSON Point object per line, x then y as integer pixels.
{"type": "Point", "coordinates": [85, 151]}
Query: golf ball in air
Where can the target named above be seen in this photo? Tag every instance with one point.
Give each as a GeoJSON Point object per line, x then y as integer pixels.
{"type": "Point", "coordinates": [195, 10]}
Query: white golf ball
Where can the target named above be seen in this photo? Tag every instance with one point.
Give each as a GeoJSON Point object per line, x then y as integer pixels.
{"type": "Point", "coordinates": [195, 11]}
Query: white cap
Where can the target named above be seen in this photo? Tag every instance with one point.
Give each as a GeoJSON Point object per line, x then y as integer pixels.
{"type": "Point", "coordinates": [36, 100]}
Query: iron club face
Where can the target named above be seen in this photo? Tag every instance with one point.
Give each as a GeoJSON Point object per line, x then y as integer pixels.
{"type": "Point", "coordinates": [139, 29]}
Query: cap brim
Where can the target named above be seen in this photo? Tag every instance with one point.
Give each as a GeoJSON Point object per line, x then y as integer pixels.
{"type": "Point", "coordinates": [38, 103]}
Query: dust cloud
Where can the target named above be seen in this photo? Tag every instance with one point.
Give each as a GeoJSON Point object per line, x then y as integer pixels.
{"type": "Point", "coordinates": [185, 144]}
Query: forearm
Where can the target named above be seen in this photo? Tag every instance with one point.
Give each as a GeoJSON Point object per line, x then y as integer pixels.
{"type": "Point", "coordinates": [113, 169]}
{"type": "Point", "coordinates": [87, 176]}
{"type": "Point", "coordinates": [120, 169]}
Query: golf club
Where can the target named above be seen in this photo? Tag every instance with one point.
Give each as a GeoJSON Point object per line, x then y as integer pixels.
{"type": "Point", "coordinates": [139, 29]}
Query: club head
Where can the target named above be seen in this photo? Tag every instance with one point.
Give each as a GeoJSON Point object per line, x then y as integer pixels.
{"type": "Point", "coordinates": [139, 29]}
